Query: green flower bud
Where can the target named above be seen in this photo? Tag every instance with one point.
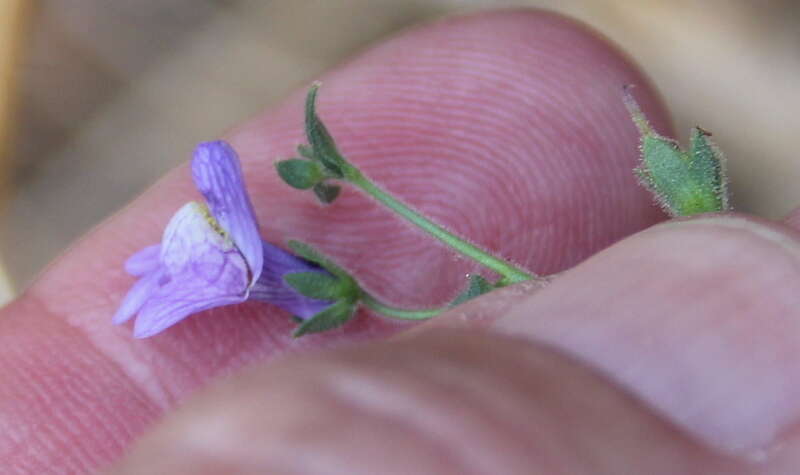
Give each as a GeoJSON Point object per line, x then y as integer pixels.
{"type": "Point", "coordinates": [683, 183]}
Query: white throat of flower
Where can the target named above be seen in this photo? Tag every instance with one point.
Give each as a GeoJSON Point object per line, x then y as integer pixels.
{"type": "Point", "coordinates": [193, 235]}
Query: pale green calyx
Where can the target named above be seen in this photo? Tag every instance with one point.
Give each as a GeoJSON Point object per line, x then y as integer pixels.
{"type": "Point", "coordinates": [683, 182]}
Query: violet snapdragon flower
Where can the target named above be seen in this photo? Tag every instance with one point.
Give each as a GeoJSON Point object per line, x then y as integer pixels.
{"type": "Point", "coordinates": [211, 255]}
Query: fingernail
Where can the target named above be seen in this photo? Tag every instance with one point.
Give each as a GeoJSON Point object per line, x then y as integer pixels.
{"type": "Point", "coordinates": [698, 319]}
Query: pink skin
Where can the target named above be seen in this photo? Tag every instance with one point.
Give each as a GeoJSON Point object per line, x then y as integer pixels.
{"type": "Point", "coordinates": [533, 94]}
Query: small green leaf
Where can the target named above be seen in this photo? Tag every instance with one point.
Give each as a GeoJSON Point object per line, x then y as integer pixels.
{"type": "Point", "coordinates": [309, 253]}
{"type": "Point", "coordinates": [332, 317]}
{"type": "Point", "coordinates": [306, 151]}
{"type": "Point", "coordinates": [477, 286]}
{"type": "Point", "coordinates": [320, 139]}
{"type": "Point", "coordinates": [315, 285]}
{"type": "Point", "coordinates": [299, 173]}
{"type": "Point", "coordinates": [326, 193]}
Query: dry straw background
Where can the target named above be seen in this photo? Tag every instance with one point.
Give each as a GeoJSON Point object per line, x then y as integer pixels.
{"type": "Point", "coordinates": [110, 95]}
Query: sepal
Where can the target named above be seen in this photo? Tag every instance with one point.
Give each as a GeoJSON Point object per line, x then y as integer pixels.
{"type": "Point", "coordinates": [306, 151]}
{"type": "Point", "coordinates": [710, 165]}
{"type": "Point", "coordinates": [317, 285]}
{"type": "Point", "coordinates": [477, 286]}
{"type": "Point", "coordinates": [299, 173]}
{"type": "Point", "coordinates": [323, 147]}
{"type": "Point", "coordinates": [332, 317]}
{"type": "Point", "coordinates": [309, 253]}
{"type": "Point", "coordinates": [326, 193]}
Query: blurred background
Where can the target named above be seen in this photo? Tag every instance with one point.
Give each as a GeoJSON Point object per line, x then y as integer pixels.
{"type": "Point", "coordinates": [99, 98]}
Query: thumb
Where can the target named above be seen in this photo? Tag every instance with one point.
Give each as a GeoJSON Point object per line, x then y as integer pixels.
{"type": "Point", "coordinates": [440, 402]}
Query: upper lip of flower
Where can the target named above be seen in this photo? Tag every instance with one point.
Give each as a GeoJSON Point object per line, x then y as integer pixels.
{"type": "Point", "coordinates": [218, 176]}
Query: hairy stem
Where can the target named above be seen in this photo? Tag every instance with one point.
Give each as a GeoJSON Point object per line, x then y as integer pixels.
{"type": "Point", "coordinates": [511, 274]}
{"type": "Point", "coordinates": [379, 307]}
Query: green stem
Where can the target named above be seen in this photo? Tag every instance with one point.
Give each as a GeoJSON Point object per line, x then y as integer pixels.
{"type": "Point", "coordinates": [511, 274]}
{"type": "Point", "coordinates": [379, 307]}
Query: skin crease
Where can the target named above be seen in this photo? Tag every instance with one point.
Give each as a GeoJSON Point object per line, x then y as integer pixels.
{"type": "Point", "coordinates": [515, 119]}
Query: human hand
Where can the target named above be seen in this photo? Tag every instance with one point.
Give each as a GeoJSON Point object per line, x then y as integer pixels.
{"type": "Point", "coordinates": [671, 352]}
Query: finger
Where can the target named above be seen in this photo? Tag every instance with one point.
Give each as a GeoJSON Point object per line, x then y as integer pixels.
{"type": "Point", "coordinates": [793, 219]}
{"type": "Point", "coordinates": [700, 320]}
{"type": "Point", "coordinates": [441, 402]}
{"type": "Point", "coordinates": [513, 118]}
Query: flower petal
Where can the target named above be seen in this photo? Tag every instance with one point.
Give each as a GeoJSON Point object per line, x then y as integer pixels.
{"type": "Point", "coordinates": [176, 301]}
{"type": "Point", "coordinates": [218, 175]}
{"type": "Point", "coordinates": [137, 297]}
{"type": "Point", "coordinates": [144, 261]}
{"type": "Point", "coordinates": [271, 287]}
{"type": "Point", "coordinates": [215, 280]}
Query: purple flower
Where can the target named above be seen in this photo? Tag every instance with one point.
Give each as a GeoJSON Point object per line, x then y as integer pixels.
{"type": "Point", "coordinates": [211, 255]}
